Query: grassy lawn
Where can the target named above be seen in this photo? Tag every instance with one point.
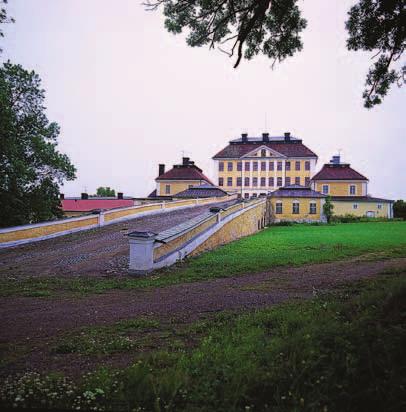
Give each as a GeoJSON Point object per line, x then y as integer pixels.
{"type": "Point", "coordinates": [275, 246]}
{"type": "Point", "coordinates": [338, 352]}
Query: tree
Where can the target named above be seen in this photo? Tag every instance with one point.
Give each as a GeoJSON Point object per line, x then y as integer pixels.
{"type": "Point", "coordinates": [105, 192]}
{"type": "Point", "coordinates": [273, 28]}
{"type": "Point", "coordinates": [31, 168]}
{"type": "Point", "coordinates": [399, 209]}
{"type": "Point", "coordinates": [4, 17]}
{"type": "Point", "coordinates": [328, 208]}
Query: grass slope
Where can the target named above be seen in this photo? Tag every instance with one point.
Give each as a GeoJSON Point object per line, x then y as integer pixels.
{"type": "Point", "coordinates": [274, 246]}
{"type": "Point", "coordinates": [342, 352]}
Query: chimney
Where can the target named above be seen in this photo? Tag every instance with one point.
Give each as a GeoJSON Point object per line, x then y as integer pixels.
{"type": "Point", "coordinates": [185, 161]}
{"type": "Point", "coordinates": [161, 169]}
{"type": "Point", "coordinates": [84, 196]}
{"type": "Point", "coordinates": [244, 137]}
{"type": "Point", "coordinates": [120, 195]}
{"type": "Point", "coordinates": [335, 160]}
{"type": "Point", "coordinates": [287, 136]}
{"type": "Point", "coordinates": [265, 137]}
{"type": "Point", "coordinates": [61, 196]}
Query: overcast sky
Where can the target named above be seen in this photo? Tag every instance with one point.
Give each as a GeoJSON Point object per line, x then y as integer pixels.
{"type": "Point", "coordinates": [128, 95]}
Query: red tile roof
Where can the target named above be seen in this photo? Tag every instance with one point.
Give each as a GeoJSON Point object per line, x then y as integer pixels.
{"type": "Point", "coordinates": [86, 205]}
{"type": "Point", "coordinates": [184, 172]}
{"type": "Point", "coordinates": [338, 172]}
{"type": "Point", "coordinates": [289, 149]}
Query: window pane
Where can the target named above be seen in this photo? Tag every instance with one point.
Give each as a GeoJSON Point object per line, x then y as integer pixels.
{"type": "Point", "coordinates": [307, 165]}
{"type": "Point", "coordinates": [279, 181]}
{"type": "Point", "coordinates": [255, 166]}
{"type": "Point", "coordinates": [229, 181]}
{"type": "Point", "coordinates": [279, 166]}
{"type": "Point", "coordinates": [271, 181]}
{"type": "Point", "coordinates": [287, 165]}
{"type": "Point", "coordinates": [247, 166]}
{"type": "Point", "coordinates": [295, 208]}
{"type": "Point", "coordinates": [297, 165]}
{"type": "Point", "coordinates": [307, 181]}
{"type": "Point", "coordinates": [313, 208]}
{"type": "Point", "coordinates": [278, 208]}
{"type": "Point", "coordinates": [297, 180]}
{"type": "Point", "coordinates": [230, 166]}
{"type": "Point", "coordinates": [271, 165]}
{"type": "Point", "coordinates": [239, 181]}
{"type": "Point", "coordinates": [287, 181]}
{"type": "Point", "coordinates": [239, 166]}
{"type": "Point", "coordinates": [255, 181]}
{"type": "Point", "coordinates": [263, 181]}
{"type": "Point", "coordinates": [221, 166]}
{"type": "Point", "coordinates": [263, 166]}
{"type": "Point", "coordinates": [221, 181]}
{"type": "Point", "coordinates": [246, 181]}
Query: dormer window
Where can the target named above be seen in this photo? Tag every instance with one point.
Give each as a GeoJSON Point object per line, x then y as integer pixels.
{"type": "Point", "coordinates": [263, 153]}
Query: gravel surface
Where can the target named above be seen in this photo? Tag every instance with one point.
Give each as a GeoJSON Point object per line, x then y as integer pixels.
{"type": "Point", "coordinates": [91, 253]}
{"type": "Point", "coordinates": [39, 321]}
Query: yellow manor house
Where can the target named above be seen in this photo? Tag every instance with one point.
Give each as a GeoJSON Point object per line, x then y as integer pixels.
{"type": "Point", "coordinates": [284, 169]}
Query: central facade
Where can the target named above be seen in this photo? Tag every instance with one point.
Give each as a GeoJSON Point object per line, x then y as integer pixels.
{"type": "Point", "coordinates": [253, 166]}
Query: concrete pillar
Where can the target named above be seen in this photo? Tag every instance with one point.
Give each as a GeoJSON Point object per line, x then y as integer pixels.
{"type": "Point", "coordinates": [141, 251]}
{"type": "Point", "coordinates": [101, 218]}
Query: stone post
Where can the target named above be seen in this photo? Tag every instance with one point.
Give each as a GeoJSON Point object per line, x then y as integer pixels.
{"type": "Point", "coordinates": [141, 252]}
{"type": "Point", "coordinates": [101, 218]}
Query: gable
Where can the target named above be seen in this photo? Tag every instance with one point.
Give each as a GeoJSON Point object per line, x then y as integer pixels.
{"type": "Point", "coordinates": [269, 152]}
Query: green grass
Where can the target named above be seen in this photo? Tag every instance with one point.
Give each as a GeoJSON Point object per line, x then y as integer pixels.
{"type": "Point", "coordinates": [276, 246]}
{"type": "Point", "coordinates": [340, 352]}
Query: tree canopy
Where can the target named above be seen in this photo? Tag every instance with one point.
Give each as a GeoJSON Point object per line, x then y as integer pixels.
{"type": "Point", "coordinates": [105, 191]}
{"type": "Point", "coordinates": [31, 168]}
{"type": "Point", "coordinates": [4, 17]}
{"type": "Point", "coordinates": [246, 28]}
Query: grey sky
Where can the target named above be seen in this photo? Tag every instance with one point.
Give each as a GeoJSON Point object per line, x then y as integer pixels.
{"type": "Point", "coordinates": [128, 95]}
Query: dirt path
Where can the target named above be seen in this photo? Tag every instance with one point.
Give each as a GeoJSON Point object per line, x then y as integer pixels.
{"type": "Point", "coordinates": [94, 252]}
{"type": "Point", "coordinates": [33, 318]}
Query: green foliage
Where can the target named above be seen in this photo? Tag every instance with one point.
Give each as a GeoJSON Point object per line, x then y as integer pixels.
{"type": "Point", "coordinates": [399, 209]}
{"type": "Point", "coordinates": [31, 168]}
{"type": "Point", "coordinates": [379, 26]}
{"type": "Point", "coordinates": [273, 28]}
{"type": "Point", "coordinates": [105, 192]}
{"type": "Point", "coordinates": [276, 246]}
{"type": "Point", "coordinates": [4, 17]}
{"type": "Point", "coordinates": [328, 209]}
{"type": "Point", "coordinates": [342, 352]}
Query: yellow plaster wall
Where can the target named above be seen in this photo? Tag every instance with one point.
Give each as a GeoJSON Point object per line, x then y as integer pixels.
{"type": "Point", "coordinates": [34, 232]}
{"type": "Point", "coordinates": [176, 186]}
{"type": "Point", "coordinates": [340, 188]}
{"type": "Point", "coordinates": [304, 208]}
{"type": "Point", "coordinates": [346, 207]}
{"type": "Point", "coordinates": [243, 225]}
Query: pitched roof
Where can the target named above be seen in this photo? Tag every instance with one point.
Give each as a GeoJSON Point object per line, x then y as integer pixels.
{"type": "Point", "coordinates": [296, 191]}
{"type": "Point", "coordinates": [202, 191]}
{"type": "Point", "coordinates": [184, 172]}
{"type": "Point", "coordinates": [355, 199]}
{"type": "Point", "coordinates": [341, 171]}
{"type": "Point", "coordinates": [87, 205]}
{"type": "Point", "coordinates": [291, 148]}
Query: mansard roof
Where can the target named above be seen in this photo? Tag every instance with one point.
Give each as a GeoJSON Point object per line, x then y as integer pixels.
{"type": "Point", "coordinates": [296, 191]}
{"type": "Point", "coordinates": [286, 146]}
{"type": "Point", "coordinates": [340, 171]}
{"type": "Point", "coordinates": [202, 191]}
{"type": "Point", "coordinates": [184, 172]}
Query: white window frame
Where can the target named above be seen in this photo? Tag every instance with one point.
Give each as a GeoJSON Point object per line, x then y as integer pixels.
{"type": "Point", "coordinates": [355, 190]}
{"type": "Point", "coordinates": [315, 208]}
{"type": "Point", "coordinates": [355, 206]}
{"type": "Point", "coordinates": [167, 189]}
{"type": "Point", "coordinates": [296, 203]}
{"type": "Point", "coordinates": [379, 206]}
{"type": "Point", "coordinates": [278, 204]}
{"type": "Point", "coordinates": [325, 192]}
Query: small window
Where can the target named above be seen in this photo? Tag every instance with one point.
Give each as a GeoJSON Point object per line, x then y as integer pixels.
{"type": "Point", "coordinates": [254, 195]}
{"type": "Point", "coordinates": [307, 181]}
{"type": "Point", "coordinates": [278, 208]}
{"type": "Point", "coordinates": [263, 153]}
{"type": "Point", "coordinates": [239, 166]}
{"type": "Point", "coordinates": [297, 180]}
{"type": "Point", "coordinates": [229, 181]}
{"type": "Point", "coordinates": [263, 166]}
{"type": "Point", "coordinates": [325, 189]}
{"type": "Point", "coordinates": [239, 181]}
{"type": "Point", "coordinates": [279, 181]}
{"type": "Point", "coordinates": [355, 206]}
{"type": "Point", "coordinates": [295, 208]}
{"type": "Point", "coordinates": [254, 166]}
{"type": "Point", "coordinates": [313, 208]}
{"type": "Point", "coordinates": [246, 181]}
{"type": "Point", "coordinates": [271, 166]}
{"type": "Point", "coordinates": [221, 181]}
{"type": "Point", "coordinates": [379, 205]}
{"type": "Point", "coordinates": [247, 166]}
{"type": "Point", "coordinates": [279, 166]}
{"type": "Point", "coordinates": [297, 165]}
{"type": "Point", "coordinates": [353, 189]}
{"type": "Point", "coordinates": [271, 181]}
{"type": "Point", "coordinates": [246, 195]}
{"type": "Point", "coordinates": [287, 165]}
{"type": "Point", "coordinates": [167, 189]}
{"type": "Point", "coordinates": [263, 181]}
{"type": "Point", "coordinates": [254, 181]}
{"type": "Point", "coordinates": [307, 165]}
{"type": "Point", "coordinates": [287, 181]}
{"type": "Point", "coordinates": [230, 166]}
{"type": "Point", "coordinates": [221, 166]}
